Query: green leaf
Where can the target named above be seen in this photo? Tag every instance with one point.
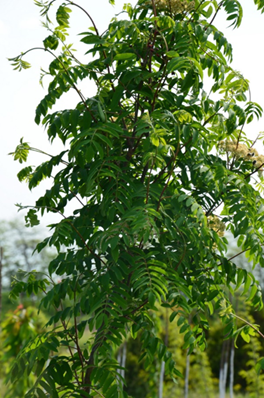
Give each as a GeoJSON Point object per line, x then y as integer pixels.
{"type": "Point", "coordinates": [245, 336]}
{"type": "Point", "coordinates": [259, 365]}
{"type": "Point", "coordinates": [115, 253]}
{"type": "Point", "coordinates": [241, 275]}
{"type": "Point", "coordinates": [247, 283]}
{"type": "Point", "coordinates": [41, 394]}
{"type": "Point", "coordinates": [32, 218]}
{"type": "Point", "coordinates": [124, 56]}
{"type": "Point", "coordinates": [253, 291]}
{"type": "Point", "coordinates": [189, 202]}
{"type": "Point", "coordinates": [51, 42]}
{"type": "Point", "coordinates": [172, 54]}
{"type": "Point", "coordinates": [212, 295]}
{"type": "Point", "coordinates": [91, 38]}
{"type": "Point", "coordinates": [151, 299]}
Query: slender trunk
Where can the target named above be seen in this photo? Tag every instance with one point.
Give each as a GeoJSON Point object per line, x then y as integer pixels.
{"type": "Point", "coordinates": [223, 369]}
{"type": "Point", "coordinates": [121, 359]}
{"type": "Point", "coordinates": [186, 383]}
{"type": "Point", "coordinates": [187, 371]}
{"type": "Point", "coordinates": [231, 380]}
{"type": "Point", "coordinates": [124, 360]}
{"type": "Point", "coordinates": [162, 366]}
{"type": "Point", "coordinates": [98, 341]}
{"type": "Point", "coordinates": [232, 352]}
{"type": "Point", "coordinates": [220, 383]}
{"type": "Point", "coordinates": [161, 379]}
{"type": "Point", "coordinates": [221, 377]}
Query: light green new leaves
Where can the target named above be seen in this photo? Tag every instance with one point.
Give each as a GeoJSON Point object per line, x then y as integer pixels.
{"type": "Point", "coordinates": [18, 63]}
{"type": "Point", "coordinates": [21, 152]}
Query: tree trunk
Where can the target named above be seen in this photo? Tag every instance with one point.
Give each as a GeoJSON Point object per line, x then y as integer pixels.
{"type": "Point", "coordinates": [162, 366]}
{"type": "Point", "coordinates": [187, 371]}
{"type": "Point", "coordinates": [186, 383]}
{"type": "Point", "coordinates": [121, 359]}
{"type": "Point", "coordinates": [161, 379]}
{"type": "Point", "coordinates": [223, 369]}
{"type": "Point", "coordinates": [231, 377]}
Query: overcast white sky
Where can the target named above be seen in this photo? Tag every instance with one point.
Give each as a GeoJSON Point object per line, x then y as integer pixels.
{"type": "Point", "coordinates": [20, 29]}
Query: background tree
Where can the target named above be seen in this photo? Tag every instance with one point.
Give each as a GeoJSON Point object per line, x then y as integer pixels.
{"type": "Point", "coordinates": [1, 269]}
{"type": "Point", "coordinates": [18, 245]}
{"type": "Point", "coordinates": [158, 169]}
{"type": "Point", "coordinates": [17, 329]}
{"type": "Point", "coordinates": [255, 380]}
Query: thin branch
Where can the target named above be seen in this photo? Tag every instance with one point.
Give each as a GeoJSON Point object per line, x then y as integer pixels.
{"type": "Point", "coordinates": [253, 172]}
{"type": "Point", "coordinates": [248, 323]}
{"type": "Point", "coordinates": [238, 254]}
{"type": "Point", "coordinates": [97, 33]}
{"type": "Point", "coordinates": [77, 339]}
{"type": "Point", "coordinates": [214, 207]}
{"type": "Point", "coordinates": [169, 177]}
{"type": "Point", "coordinates": [144, 173]}
{"type": "Point", "coordinates": [148, 184]}
{"type": "Point", "coordinates": [154, 8]}
{"type": "Point", "coordinates": [210, 117]}
{"type": "Point", "coordinates": [160, 85]}
{"type": "Point", "coordinates": [61, 161]}
{"type": "Point", "coordinates": [73, 227]}
{"type": "Point", "coordinates": [88, 15]}
{"type": "Point", "coordinates": [66, 71]}
{"type": "Point", "coordinates": [47, 154]}
{"type": "Point", "coordinates": [212, 20]}
{"type": "Point", "coordinates": [66, 336]}
{"type": "Point", "coordinates": [70, 350]}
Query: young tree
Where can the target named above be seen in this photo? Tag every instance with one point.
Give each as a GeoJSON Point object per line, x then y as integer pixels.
{"type": "Point", "coordinates": [158, 168]}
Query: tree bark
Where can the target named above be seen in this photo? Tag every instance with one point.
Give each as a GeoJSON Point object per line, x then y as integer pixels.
{"type": "Point", "coordinates": [161, 379]}
{"type": "Point", "coordinates": [231, 377]}
{"type": "Point", "coordinates": [223, 368]}
{"type": "Point", "coordinates": [187, 371]}
{"type": "Point", "coordinates": [121, 359]}
{"type": "Point", "coordinates": [162, 366]}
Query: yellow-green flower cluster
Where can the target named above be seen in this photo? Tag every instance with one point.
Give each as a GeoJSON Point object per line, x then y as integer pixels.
{"type": "Point", "coordinates": [238, 150]}
{"type": "Point", "coordinates": [217, 225]}
{"type": "Point", "coordinates": [258, 161]}
{"type": "Point", "coordinates": [175, 6]}
{"type": "Point", "coordinates": [241, 151]}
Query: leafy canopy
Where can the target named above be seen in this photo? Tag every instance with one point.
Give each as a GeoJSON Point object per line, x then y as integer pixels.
{"type": "Point", "coordinates": [158, 168]}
